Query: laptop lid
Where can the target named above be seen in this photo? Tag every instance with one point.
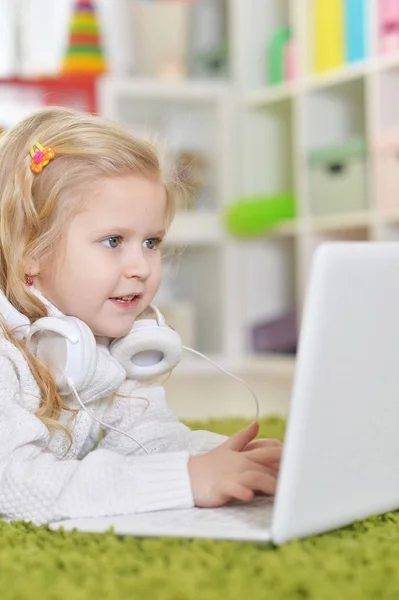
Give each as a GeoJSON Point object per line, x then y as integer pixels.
{"type": "Point", "coordinates": [341, 454]}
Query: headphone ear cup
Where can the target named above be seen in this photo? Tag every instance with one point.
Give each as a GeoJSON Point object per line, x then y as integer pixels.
{"type": "Point", "coordinates": [67, 346]}
{"type": "Point", "coordinates": [148, 351]}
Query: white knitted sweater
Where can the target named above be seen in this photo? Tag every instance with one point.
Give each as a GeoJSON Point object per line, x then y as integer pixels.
{"type": "Point", "coordinates": [42, 481]}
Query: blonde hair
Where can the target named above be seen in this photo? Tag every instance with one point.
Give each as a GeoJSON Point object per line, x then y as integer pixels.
{"type": "Point", "coordinates": [34, 209]}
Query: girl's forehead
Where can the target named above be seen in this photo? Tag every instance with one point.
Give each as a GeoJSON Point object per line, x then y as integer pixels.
{"type": "Point", "coordinates": [122, 201]}
{"type": "Point", "coordinates": [132, 190]}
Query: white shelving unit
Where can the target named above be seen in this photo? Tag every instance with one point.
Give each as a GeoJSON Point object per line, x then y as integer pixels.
{"type": "Point", "coordinates": [313, 111]}
{"type": "Point", "coordinates": [258, 137]}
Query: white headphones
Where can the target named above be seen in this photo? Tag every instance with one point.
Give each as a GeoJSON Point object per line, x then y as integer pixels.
{"type": "Point", "coordinates": [67, 345]}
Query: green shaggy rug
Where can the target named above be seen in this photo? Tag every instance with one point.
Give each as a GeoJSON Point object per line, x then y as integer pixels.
{"type": "Point", "coordinates": [359, 562]}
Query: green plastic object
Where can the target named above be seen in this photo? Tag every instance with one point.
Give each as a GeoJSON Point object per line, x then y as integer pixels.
{"type": "Point", "coordinates": [276, 55]}
{"type": "Point", "coordinates": [256, 215]}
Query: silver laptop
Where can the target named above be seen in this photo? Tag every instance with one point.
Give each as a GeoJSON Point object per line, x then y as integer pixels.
{"type": "Point", "coordinates": [341, 452]}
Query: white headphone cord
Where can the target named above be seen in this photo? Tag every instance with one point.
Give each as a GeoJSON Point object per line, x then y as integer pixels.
{"type": "Point", "coordinates": [70, 383]}
{"type": "Point", "coordinates": [230, 375]}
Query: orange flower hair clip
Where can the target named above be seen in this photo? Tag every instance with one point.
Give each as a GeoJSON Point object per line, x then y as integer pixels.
{"type": "Point", "coordinates": [40, 157]}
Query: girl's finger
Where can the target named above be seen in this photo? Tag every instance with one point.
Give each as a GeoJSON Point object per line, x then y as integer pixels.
{"type": "Point", "coordinates": [262, 443]}
{"type": "Point", "coordinates": [234, 490]}
{"type": "Point", "coordinates": [258, 482]}
{"type": "Point", "coordinates": [265, 456]}
{"type": "Point", "coordinates": [239, 440]}
{"type": "Point", "coordinates": [271, 469]}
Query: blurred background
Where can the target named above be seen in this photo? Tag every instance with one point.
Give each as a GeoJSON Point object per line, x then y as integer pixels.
{"type": "Point", "coordinates": [282, 119]}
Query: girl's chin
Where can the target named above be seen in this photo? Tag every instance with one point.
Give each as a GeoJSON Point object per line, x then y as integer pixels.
{"type": "Point", "coordinates": [113, 332]}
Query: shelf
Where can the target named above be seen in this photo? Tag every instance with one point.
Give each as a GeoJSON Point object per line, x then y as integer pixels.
{"type": "Point", "coordinates": [195, 229]}
{"type": "Point", "coordinates": [385, 62]}
{"type": "Point", "coordinates": [183, 91]}
{"type": "Point", "coordinates": [269, 95]}
{"type": "Point", "coordinates": [387, 216]}
{"type": "Point", "coordinates": [336, 77]}
{"type": "Point", "coordinates": [343, 222]}
{"type": "Point", "coordinates": [285, 229]}
{"type": "Point", "coordinates": [273, 365]}
{"type": "Point", "coordinates": [339, 222]}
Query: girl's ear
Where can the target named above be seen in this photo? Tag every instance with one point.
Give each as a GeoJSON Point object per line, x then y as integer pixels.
{"type": "Point", "coordinates": [32, 268]}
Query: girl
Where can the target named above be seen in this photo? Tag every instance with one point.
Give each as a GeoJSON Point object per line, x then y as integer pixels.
{"type": "Point", "coordinates": [83, 210]}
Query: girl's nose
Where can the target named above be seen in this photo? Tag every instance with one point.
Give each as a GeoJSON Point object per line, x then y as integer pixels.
{"type": "Point", "coordinates": [138, 266]}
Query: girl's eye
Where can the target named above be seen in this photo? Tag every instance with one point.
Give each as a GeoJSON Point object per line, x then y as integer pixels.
{"type": "Point", "coordinates": [152, 243]}
{"type": "Point", "coordinates": [113, 241]}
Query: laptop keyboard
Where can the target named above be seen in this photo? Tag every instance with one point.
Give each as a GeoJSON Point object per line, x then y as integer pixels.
{"type": "Point", "coordinates": [237, 520]}
{"type": "Point", "coordinates": [256, 514]}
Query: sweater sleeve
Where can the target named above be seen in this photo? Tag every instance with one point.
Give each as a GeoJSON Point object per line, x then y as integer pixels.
{"type": "Point", "coordinates": [143, 413]}
{"type": "Point", "coordinates": [36, 486]}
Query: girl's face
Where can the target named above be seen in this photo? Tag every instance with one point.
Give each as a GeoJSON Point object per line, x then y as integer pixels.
{"type": "Point", "coordinates": [108, 267]}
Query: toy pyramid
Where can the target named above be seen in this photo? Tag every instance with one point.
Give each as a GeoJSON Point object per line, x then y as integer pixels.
{"type": "Point", "coordinates": [84, 55]}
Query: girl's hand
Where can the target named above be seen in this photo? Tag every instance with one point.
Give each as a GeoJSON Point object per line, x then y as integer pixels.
{"type": "Point", "coordinates": [230, 471]}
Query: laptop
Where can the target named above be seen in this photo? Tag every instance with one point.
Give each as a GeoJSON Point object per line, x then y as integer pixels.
{"type": "Point", "coordinates": [341, 452]}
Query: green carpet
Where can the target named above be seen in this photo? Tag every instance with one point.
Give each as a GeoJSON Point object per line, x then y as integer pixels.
{"type": "Point", "coordinates": [359, 562]}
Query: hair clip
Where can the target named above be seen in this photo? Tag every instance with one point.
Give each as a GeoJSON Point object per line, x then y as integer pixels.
{"type": "Point", "coordinates": [41, 157]}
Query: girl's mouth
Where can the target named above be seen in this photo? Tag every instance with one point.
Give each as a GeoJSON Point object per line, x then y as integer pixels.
{"type": "Point", "coordinates": [126, 301]}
